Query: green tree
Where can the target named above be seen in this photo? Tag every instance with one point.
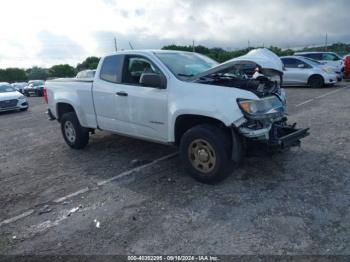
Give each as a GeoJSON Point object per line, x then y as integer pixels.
{"type": "Point", "coordinates": [89, 63]}
{"type": "Point", "coordinates": [36, 73]}
{"type": "Point", "coordinates": [12, 75]}
{"type": "Point", "coordinates": [62, 71]}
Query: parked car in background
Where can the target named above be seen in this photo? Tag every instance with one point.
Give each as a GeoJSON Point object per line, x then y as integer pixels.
{"type": "Point", "coordinates": [328, 58]}
{"type": "Point", "coordinates": [347, 66]}
{"type": "Point", "coordinates": [302, 71]}
{"type": "Point", "coordinates": [34, 87]}
{"type": "Point", "coordinates": [19, 86]}
{"type": "Point", "coordinates": [86, 74]}
{"type": "Point", "coordinates": [11, 99]}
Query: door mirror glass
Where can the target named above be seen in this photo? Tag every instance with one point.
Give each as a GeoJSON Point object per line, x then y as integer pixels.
{"type": "Point", "coordinates": [153, 80]}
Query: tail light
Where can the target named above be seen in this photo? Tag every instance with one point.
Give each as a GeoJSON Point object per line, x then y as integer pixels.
{"type": "Point", "coordinates": [45, 96]}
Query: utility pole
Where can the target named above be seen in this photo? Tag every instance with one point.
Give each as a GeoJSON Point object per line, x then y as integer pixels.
{"type": "Point", "coordinates": [248, 44]}
{"type": "Point", "coordinates": [115, 44]}
{"type": "Point", "coordinates": [132, 48]}
{"type": "Point", "coordinates": [326, 42]}
{"type": "Point", "coordinates": [193, 46]}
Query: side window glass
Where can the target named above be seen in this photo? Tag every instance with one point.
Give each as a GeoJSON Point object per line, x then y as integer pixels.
{"type": "Point", "coordinates": [110, 69]}
{"type": "Point", "coordinates": [314, 56]}
{"type": "Point", "coordinates": [135, 66]}
{"type": "Point", "coordinates": [290, 63]}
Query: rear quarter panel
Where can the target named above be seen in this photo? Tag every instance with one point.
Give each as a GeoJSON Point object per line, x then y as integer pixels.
{"type": "Point", "coordinates": [76, 93]}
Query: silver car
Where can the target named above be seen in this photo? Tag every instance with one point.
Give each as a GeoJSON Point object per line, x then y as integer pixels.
{"type": "Point", "coordinates": [330, 59]}
{"type": "Point", "coordinates": [302, 71]}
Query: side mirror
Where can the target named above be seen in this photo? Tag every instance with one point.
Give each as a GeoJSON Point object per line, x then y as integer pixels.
{"type": "Point", "coordinates": [301, 66]}
{"type": "Point", "coordinates": [153, 80]}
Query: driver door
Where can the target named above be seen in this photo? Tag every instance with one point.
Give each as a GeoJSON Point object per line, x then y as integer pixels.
{"type": "Point", "coordinates": [141, 111]}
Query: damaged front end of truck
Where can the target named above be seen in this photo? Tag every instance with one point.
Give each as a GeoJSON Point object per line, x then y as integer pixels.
{"type": "Point", "coordinates": [264, 119]}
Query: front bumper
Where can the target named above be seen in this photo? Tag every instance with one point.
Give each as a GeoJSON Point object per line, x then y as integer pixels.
{"type": "Point", "coordinates": [33, 91]}
{"type": "Point", "coordinates": [284, 136]}
{"type": "Point", "coordinates": [276, 135]}
{"type": "Point", "coordinates": [20, 104]}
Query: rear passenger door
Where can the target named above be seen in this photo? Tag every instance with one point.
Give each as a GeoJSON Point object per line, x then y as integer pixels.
{"type": "Point", "coordinates": [105, 87]}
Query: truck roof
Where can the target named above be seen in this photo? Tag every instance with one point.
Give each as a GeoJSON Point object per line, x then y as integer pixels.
{"type": "Point", "coordinates": [147, 51]}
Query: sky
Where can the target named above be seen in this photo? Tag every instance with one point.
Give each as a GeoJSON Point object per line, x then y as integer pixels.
{"type": "Point", "coordinates": [48, 32]}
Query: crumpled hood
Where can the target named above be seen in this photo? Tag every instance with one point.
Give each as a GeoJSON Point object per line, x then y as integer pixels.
{"type": "Point", "coordinates": [10, 95]}
{"type": "Point", "coordinates": [261, 56]}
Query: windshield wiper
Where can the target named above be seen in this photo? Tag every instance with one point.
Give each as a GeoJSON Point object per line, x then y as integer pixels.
{"type": "Point", "coordinates": [185, 75]}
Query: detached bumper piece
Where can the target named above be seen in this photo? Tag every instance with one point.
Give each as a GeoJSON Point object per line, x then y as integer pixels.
{"type": "Point", "coordinates": [284, 136]}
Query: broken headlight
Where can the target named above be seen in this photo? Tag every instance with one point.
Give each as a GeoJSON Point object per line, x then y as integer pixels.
{"type": "Point", "coordinates": [267, 107]}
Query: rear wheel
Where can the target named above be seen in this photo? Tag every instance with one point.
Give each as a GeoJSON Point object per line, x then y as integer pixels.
{"type": "Point", "coordinates": [74, 134]}
{"type": "Point", "coordinates": [205, 152]}
{"type": "Point", "coordinates": [316, 81]}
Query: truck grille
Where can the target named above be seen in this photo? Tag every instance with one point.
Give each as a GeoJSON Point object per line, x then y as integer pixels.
{"type": "Point", "coordinates": [8, 103]}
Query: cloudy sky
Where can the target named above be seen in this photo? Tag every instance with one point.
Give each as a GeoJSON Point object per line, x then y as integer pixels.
{"type": "Point", "coordinates": [47, 32]}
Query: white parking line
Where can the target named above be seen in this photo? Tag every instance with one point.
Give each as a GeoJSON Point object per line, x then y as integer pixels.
{"type": "Point", "coordinates": [86, 189]}
{"type": "Point", "coordinates": [305, 102]}
{"type": "Point", "coordinates": [329, 93]}
{"type": "Point", "coordinates": [81, 191]}
{"type": "Point", "coordinates": [321, 96]}
{"type": "Point", "coordinates": [14, 219]}
{"type": "Point", "coordinates": [136, 169]}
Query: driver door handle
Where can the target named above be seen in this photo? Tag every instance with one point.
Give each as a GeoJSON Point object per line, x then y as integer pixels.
{"type": "Point", "coordinates": [122, 93]}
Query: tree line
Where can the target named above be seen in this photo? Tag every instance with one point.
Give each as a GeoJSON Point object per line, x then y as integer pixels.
{"type": "Point", "coordinates": [63, 70]}
{"type": "Point", "coordinates": [216, 53]}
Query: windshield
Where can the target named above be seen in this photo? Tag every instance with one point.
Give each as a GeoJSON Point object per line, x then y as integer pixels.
{"type": "Point", "coordinates": [37, 83]}
{"type": "Point", "coordinates": [6, 89]}
{"type": "Point", "coordinates": [185, 65]}
{"type": "Point", "coordinates": [313, 61]}
{"type": "Point", "coordinates": [86, 74]}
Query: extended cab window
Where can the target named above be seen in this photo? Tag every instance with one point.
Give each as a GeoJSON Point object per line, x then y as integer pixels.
{"type": "Point", "coordinates": [110, 70]}
{"type": "Point", "coordinates": [135, 66]}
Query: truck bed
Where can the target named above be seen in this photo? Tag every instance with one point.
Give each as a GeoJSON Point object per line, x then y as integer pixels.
{"type": "Point", "coordinates": [73, 91]}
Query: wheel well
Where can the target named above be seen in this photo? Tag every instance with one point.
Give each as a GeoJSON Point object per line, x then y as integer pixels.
{"type": "Point", "coordinates": [186, 122]}
{"type": "Point", "coordinates": [63, 108]}
{"type": "Point", "coordinates": [310, 77]}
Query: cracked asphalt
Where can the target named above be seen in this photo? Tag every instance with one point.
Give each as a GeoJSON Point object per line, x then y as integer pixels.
{"type": "Point", "coordinates": [297, 202]}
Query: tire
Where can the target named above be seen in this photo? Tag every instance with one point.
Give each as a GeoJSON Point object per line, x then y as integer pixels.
{"type": "Point", "coordinates": [24, 109]}
{"type": "Point", "coordinates": [316, 81]}
{"type": "Point", "coordinates": [74, 134]}
{"type": "Point", "coordinates": [206, 155]}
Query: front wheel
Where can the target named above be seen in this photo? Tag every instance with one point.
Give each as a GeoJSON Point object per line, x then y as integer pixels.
{"type": "Point", "coordinates": [74, 134]}
{"type": "Point", "coordinates": [316, 81]}
{"type": "Point", "coordinates": [205, 153]}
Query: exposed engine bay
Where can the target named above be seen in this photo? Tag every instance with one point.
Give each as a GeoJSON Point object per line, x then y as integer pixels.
{"type": "Point", "coordinates": [248, 76]}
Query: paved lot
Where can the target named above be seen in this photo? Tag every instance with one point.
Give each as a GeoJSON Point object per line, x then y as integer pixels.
{"type": "Point", "coordinates": [123, 196]}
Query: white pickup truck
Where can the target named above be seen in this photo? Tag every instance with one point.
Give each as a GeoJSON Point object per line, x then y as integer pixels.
{"type": "Point", "coordinates": [211, 111]}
